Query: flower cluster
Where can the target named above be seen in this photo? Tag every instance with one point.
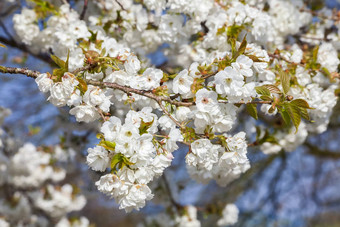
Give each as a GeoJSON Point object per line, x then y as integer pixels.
{"type": "Point", "coordinates": [30, 176]}
{"type": "Point", "coordinates": [223, 59]}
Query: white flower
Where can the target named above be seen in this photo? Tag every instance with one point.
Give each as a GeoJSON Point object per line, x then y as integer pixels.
{"type": "Point", "coordinates": [243, 66]}
{"type": "Point", "coordinates": [169, 27]}
{"type": "Point", "coordinates": [238, 148]}
{"type": "Point", "coordinates": [75, 98]}
{"type": "Point", "coordinates": [206, 101]}
{"type": "Point", "coordinates": [182, 84]}
{"type": "Point", "coordinates": [203, 153]}
{"type": "Point", "coordinates": [60, 201]}
{"type": "Point", "coordinates": [165, 122]}
{"type": "Point", "coordinates": [269, 148]}
{"type": "Point", "coordinates": [160, 162]}
{"type": "Point", "coordinates": [136, 197]}
{"type": "Point", "coordinates": [111, 128]}
{"type": "Point", "coordinates": [128, 132]}
{"type": "Point", "coordinates": [106, 184]}
{"type": "Point", "coordinates": [150, 79]}
{"type": "Point", "coordinates": [229, 215]}
{"type": "Point", "coordinates": [44, 82]}
{"type": "Point", "coordinates": [94, 96]}
{"type": "Point", "coordinates": [61, 91]}
{"type": "Point", "coordinates": [182, 113]}
{"type": "Point", "coordinates": [328, 57]}
{"type": "Point", "coordinates": [98, 158]}
{"type": "Point", "coordinates": [173, 137]}
{"type": "Point", "coordinates": [189, 219]}
{"type": "Point", "coordinates": [85, 113]}
{"type": "Point", "coordinates": [229, 82]}
{"type": "Point", "coordinates": [132, 65]}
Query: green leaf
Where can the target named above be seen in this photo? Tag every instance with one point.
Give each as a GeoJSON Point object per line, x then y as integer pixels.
{"type": "Point", "coordinates": [58, 61]}
{"type": "Point", "coordinates": [2, 45]}
{"type": "Point", "coordinates": [254, 58]}
{"type": "Point", "coordinates": [252, 110]}
{"type": "Point", "coordinates": [315, 54]}
{"type": "Point", "coordinates": [116, 160]}
{"type": "Point", "coordinates": [66, 63]}
{"type": "Point", "coordinates": [261, 90]}
{"type": "Point", "coordinates": [300, 103]}
{"type": "Point", "coordinates": [3, 69]}
{"type": "Point", "coordinates": [267, 138]}
{"type": "Point", "coordinates": [234, 30]}
{"type": "Point", "coordinates": [266, 98]}
{"type": "Point", "coordinates": [272, 88]}
{"type": "Point", "coordinates": [304, 114]}
{"type": "Point", "coordinates": [100, 136]}
{"type": "Point", "coordinates": [144, 126]}
{"type": "Point", "coordinates": [285, 116]}
{"type": "Point", "coordinates": [82, 85]}
{"type": "Point", "coordinates": [59, 73]}
{"type": "Point", "coordinates": [243, 46]}
{"type": "Point", "coordinates": [285, 81]}
{"type": "Point", "coordinates": [294, 114]}
{"type": "Point", "coordinates": [108, 145]}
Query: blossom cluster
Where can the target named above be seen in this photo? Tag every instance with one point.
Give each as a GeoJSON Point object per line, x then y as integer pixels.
{"type": "Point", "coordinates": [30, 177]}
{"type": "Point", "coordinates": [223, 58]}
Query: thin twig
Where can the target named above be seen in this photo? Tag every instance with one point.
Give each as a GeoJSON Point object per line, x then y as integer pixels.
{"type": "Point", "coordinates": [251, 102]}
{"type": "Point", "coordinates": [120, 4]}
{"type": "Point", "coordinates": [126, 89]}
{"type": "Point", "coordinates": [9, 10]}
{"type": "Point", "coordinates": [24, 71]}
{"type": "Point", "coordinates": [24, 48]}
{"type": "Point", "coordinates": [82, 15]}
{"type": "Point", "coordinates": [169, 115]}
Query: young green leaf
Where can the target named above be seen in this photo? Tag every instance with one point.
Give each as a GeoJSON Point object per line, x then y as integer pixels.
{"type": "Point", "coordinates": [285, 81]}
{"type": "Point", "coordinates": [272, 88]}
{"type": "Point", "coordinates": [262, 91]}
{"type": "Point", "coordinates": [294, 114]}
{"type": "Point", "coordinates": [251, 108]}
{"type": "Point", "coordinates": [144, 126]}
{"type": "Point", "coordinates": [82, 85]}
{"type": "Point", "coordinates": [300, 103]}
{"type": "Point", "coordinates": [285, 116]}
{"type": "Point", "coordinates": [58, 61]}
{"type": "Point", "coordinates": [243, 46]}
{"type": "Point", "coordinates": [108, 145]}
{"type": "Point", "coordinates": [304, 113]}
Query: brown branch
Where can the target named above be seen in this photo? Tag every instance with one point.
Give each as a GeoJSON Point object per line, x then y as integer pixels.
{"type": "Point", "coordinates": [251, 102]}
{"type": "Point", "coordinates": [321, 153]}
{"type": "Point", "coordinates": [126, 89]}
{"type": "Point", "coordinates": [9, 10]}
{"type": "Point", "coordinates": [82, 15]}
{"type": "Point", "coordinates": [24, 71]}
{"type": "Point", "coordinates": [85, 68]}
{"type": "Point", "coordinates": [148, 94]}
{"type": "Point", "coordinates": [169, 115]}
{"type": "Point", "coordinates": [120, 4]}
{"type": "Point", "coordinates": [24, 48]}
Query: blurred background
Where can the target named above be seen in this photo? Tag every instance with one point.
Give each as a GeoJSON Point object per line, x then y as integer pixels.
{"type": "Point", "coordinates": [300, 188]}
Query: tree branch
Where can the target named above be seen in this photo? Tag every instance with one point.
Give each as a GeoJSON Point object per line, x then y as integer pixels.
{"type": "Point", "coordinates": [24, 48]}
{"type": "Point", "coordinates": [82, 15]}
{"type": "Point", "coordinates": [24, 71]}
{"type": "Point", "coordinates": [126, 89]}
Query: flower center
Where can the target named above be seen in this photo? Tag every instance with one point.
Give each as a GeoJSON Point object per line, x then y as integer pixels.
{"type": "Point", "coordinates": [205, 100]}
